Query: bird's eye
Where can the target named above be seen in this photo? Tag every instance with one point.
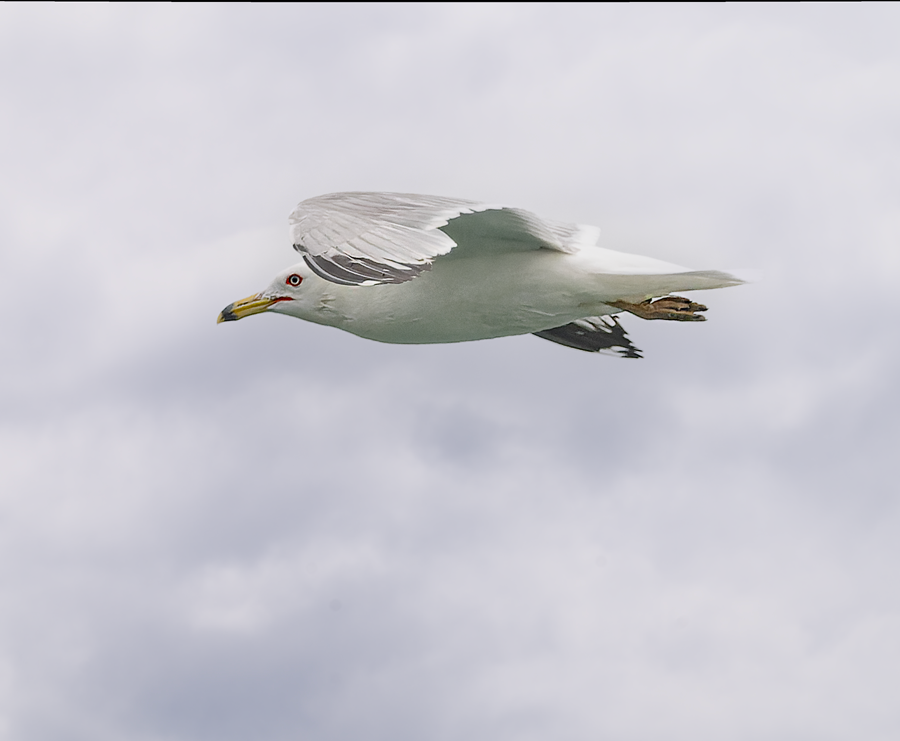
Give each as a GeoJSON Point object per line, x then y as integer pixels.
{"type": "Point", "coordinates": [294, 280]}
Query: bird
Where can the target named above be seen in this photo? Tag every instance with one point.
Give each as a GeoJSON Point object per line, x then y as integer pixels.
{"type": "Point", "coordinates": [416, 269]}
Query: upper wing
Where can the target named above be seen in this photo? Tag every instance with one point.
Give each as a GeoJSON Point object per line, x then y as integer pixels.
{"type": "Point", "coordinates": [375, 238]}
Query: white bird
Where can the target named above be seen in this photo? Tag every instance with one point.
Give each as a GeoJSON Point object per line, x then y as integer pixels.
{"type": "Point", "coordinates": [415, 269]}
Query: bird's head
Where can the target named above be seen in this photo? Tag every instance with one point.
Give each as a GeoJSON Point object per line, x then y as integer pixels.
{"type": "Point", "coordinates": [293, 291]}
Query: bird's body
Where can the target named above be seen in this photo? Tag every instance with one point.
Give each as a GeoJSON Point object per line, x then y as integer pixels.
{"type": "Point", "coordinates": [495, 296]}
{"type": "Point", "coordinates": [416, 269]}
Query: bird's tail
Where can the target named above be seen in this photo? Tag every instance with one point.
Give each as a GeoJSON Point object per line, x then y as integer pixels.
{"type": "Point", "coordinates": [636, 288]}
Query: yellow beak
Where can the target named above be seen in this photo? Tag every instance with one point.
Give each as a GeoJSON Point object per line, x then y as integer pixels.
{"type": "Point", "coordinates": [245, 307]}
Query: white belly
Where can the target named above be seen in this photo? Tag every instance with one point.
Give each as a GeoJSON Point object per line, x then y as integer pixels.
{"type": "Point", "coordinates": [461, 300]}
{"type": "Point", "coordinates": [497, 295]}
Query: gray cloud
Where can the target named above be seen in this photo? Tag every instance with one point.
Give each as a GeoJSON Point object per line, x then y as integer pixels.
{"type": "Point", "coordinates": [524, 541]}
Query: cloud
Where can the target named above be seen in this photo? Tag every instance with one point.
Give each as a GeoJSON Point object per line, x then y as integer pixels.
{"type": "Point", "coordinates": [275, 529]}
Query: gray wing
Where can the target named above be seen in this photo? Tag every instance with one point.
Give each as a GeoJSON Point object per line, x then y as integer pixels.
{"type": "Point", "coordinates": [377, 238]}
{"type": "Point", "coordinates": [594, 334]}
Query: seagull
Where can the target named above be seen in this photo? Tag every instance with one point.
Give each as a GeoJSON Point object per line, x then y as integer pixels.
{"type": "Point", "coordinates": [415, 269]}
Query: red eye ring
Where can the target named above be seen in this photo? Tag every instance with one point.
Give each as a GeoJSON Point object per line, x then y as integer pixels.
{"type": "Point", "coordinates": [294, 280]}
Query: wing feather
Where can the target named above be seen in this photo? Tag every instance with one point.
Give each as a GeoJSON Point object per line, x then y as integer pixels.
{"type": "Point", "coordinates": [594, 334]}
{"type": "Point", "coordinates": [373, 238]}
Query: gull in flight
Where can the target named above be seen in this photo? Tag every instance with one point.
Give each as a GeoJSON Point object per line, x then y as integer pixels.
{"type": "Point", "coordinates": [413, 269]}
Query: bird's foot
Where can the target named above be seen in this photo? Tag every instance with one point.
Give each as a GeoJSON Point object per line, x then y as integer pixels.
{"type": "Point", "coordinates": [674, 308]}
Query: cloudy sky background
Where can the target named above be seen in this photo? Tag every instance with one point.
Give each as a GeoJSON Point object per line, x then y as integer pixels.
{"type": "Point", "coordinates": [275, 530]}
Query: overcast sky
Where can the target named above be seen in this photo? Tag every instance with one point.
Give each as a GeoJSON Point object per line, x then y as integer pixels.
{"type": "Point", "coordinates": [274, 530]}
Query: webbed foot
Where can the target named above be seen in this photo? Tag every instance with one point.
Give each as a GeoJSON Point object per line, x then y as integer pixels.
{"type": "Point", "coordinates": [673, 308]}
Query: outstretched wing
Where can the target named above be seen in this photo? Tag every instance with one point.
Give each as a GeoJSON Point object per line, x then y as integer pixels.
{"type": "Point", "coordinates": [377, 238]}
{"type": "Point", "coordinates": [594, 334]}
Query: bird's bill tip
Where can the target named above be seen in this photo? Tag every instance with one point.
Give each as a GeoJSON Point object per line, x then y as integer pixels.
{"type": "Point", "coordinates": [255, 304]}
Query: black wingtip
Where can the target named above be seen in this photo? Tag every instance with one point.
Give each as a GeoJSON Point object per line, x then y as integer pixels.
{"type": "Point", "coordinates": [605, 336]}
